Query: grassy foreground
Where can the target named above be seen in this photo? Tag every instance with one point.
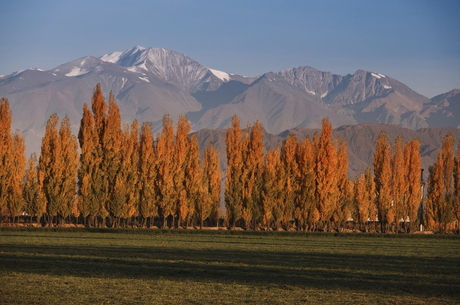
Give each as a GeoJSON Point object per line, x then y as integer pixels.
{"type": "Point", "coordinates": [115, 267]}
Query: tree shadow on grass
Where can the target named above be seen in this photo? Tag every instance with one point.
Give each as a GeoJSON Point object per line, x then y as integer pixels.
{"type": "Point", "coordinates": [396, 275]}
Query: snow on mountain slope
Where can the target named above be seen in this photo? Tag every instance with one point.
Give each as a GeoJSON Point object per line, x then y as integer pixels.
{"type": "Point", "coordinates": [169, 66]}
{"type": "Point", "coordinates": [221, 75]}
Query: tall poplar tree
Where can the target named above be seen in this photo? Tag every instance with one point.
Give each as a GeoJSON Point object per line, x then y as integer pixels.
{"type": "Point", "coordinates": [5, 152]}
{"type": "Point", "coordinates": [233, 176]}
{"type": "Point", "coordinates": [124, 200]}
{"type": "Point", "coordinates": [197, 197]}
{"type": "Point", "coordinates": [132, 207]}
{"type": "Point", "coordinates": [99, 107]}
{"type": "Point", "coordinates": [246, 211]}
{"type": "Point", "coordinates": [448, 175]}
{"type": "Point", "coordinates": [435, 199]}
{"type": "Point", "coordinates": [181, 150]}
{"type": "Point", "coordinates": [111, 145]}
{"type": "Point", "coordinates": [89, 161]}
{"type": "Point", "coordinates": [18, 165]}
{"type": "Point", "coordinates": [326, 173]}
{"type": "Point", "coordinates": [212, 178]}
{"type": "Point", "coordinates": [382, 177]}
{"type": "Point", "coordinates": [269, 190]}
{"type": "Point", "coordinates": [288, 160]}
{"type": "Point", "coordinates": [398, 183]}
{"type": "Point", "coordinates": [279, 187]}
{"type": "Point", "coordinates": [414, 184]}
{"type": "Point", "coordinates": [371, 195]}
{"type": "Point", "coordinates": [147, 174]}
{"type": "Point", "coordinates": [121, 188]}
{"type": "Point", "coordinates": [361, 201]}
{"type": "Point", "coordinates": [50, 168]}
{"type": "Point", "coordinates": [32, 206]}
{"type": "Point", "coordinates": [305, 201]}
{"type": "Point", "coordinates": [253, 169]}
{"type": "Point", "coordinates": [92, 180]}
{"type": "Point", "coordinates": [457, 188]}
{"type": "Point", "coordinates": [69, 151]}
{"type": "Point", "coordinates": [342, 207]}
{"type": "Point", "coordinates": [165, 183]}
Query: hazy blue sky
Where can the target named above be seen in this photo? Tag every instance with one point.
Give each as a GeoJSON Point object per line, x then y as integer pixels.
{"type": "Point", "coordinates": [414, 41]}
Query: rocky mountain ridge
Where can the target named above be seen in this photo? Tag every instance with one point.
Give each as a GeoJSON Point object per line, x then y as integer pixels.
{"type": "Point", "coordinates": [150, 82]}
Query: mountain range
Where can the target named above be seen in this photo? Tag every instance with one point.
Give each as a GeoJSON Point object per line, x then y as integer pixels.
{"type": "Point", "coordinates": [150, 82]}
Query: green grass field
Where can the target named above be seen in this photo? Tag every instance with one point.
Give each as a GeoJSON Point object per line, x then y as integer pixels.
{"type": "Point", "coordinates": [118, 267]}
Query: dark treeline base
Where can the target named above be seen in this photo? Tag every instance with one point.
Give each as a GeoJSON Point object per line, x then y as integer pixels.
{"type": "Point", "coordinates": [138, 222]}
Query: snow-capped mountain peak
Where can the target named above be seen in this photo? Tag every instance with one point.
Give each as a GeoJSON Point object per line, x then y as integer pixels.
{"type": "Point", "coordinates": [127, 58]}
{"type": "Point", "coordinates": [79, 66]}
{"type": "Point", "coordinates": [112, 57]}
{"type": "Point", "coordinates": [169, 66]}
{"type": "Point", "coordinates": [224, 76]}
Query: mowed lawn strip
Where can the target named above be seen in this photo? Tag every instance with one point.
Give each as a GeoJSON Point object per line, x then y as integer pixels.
{"type": "Point", "coordinates": [46, 267]}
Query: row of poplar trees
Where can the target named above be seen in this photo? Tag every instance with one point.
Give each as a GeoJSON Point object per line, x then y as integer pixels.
{"type": "Point", "coordinates": [305, 185]}
{"type": "Point", "coordinates": [302, 184]}
{"type": "Point", "coordinates": [442, 204]}
{"type": "Point", "coordinates": [401, 195]}
{"type": "Point", "coordinates": [120, 174]}
{"type": "Point", "coordinates": [303, 181]}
